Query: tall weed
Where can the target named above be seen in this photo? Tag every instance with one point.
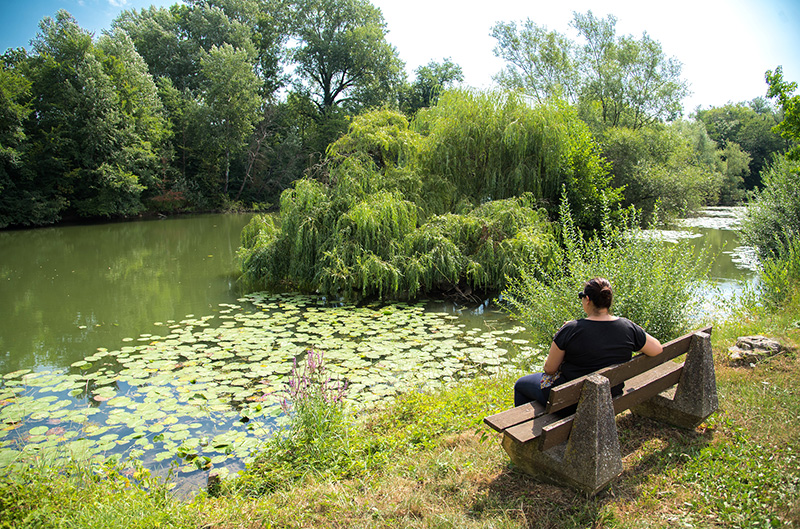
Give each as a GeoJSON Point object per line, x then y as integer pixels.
{"type": "Point", "coordinates": [317, 440]}
{"type": "Point", "coordinates": [655, 284]}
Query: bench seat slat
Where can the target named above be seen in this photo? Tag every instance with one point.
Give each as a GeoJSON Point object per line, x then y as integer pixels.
{"type": "Point", "coordinates": [567, 394]}
{"type": "Point", "coordinates": [506, 419]}
{"type": "Point", "coordinates": [530, 430]}
{"type": "Point", "coordinates": [637, 390]}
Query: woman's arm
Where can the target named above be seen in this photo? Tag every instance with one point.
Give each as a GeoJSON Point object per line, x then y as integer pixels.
{"type": "Point", "coordinates": [652, 346]}
{"type": "Point", "coordinates": [554, 359]}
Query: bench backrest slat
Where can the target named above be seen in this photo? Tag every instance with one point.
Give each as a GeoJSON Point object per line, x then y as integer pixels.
{"type": "Point", "coordinates": [567, 394]}
{"type": "Point", "coordinates": [642, 387]}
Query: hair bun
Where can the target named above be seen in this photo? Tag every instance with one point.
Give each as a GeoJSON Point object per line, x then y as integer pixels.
{"type": "Point", "coordinates": [599, 291]}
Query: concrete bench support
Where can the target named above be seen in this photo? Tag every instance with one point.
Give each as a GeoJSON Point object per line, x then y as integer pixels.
{"type": "Point", "coordinates": [591, 458]}
{"type": "Point", "coordinates": [695, 397]}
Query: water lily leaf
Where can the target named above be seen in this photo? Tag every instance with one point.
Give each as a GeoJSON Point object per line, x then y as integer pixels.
{"type": "Point", "coordinates": [218, 459]}
{"type": "Point", "coordinates": [205, 377]}
{"type": "Point", "coordinates": [16, 374]}
{"type": "Point", "coordinates": [163, 456]}
{"type": "Point", "coordinates": [38, 430]}
{"type": "Point", "coordinates": [120, 401]}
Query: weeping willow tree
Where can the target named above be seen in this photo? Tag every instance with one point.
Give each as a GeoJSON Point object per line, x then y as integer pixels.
{"type": "Point", "coordinates": [493, 146]}
{"type": "Point", "coordinates": [401, 211]}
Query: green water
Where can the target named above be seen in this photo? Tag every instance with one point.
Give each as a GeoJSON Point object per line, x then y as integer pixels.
{"type": "Point", "coordinates": [732, 265]}
{"type": "Point", "coordinates": [133, 341]}
{"type": "Point", "coordinates": [65, 291]}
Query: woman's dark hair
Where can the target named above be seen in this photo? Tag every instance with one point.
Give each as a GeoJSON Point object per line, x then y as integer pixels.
{"type": "Point", "coordinates": [599, 291]}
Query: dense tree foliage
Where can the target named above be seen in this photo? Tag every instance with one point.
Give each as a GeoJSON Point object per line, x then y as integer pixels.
{"type": "Point", "coordinates": [14, 109]}
{"type": "Point", "coordinates": [215, 104]}
{"type": "Point", "coordinates": [773, 218]}
{"type": "Point", "coordinates": [431, 80]}
{"type": "Point", "coordinates": [748, 128]}
{"type": "Point", "coordinates": [177, 108]}
{"type": "Point", "coordinates": [173, 41]}
{"type": "Point", "coordinates": [92, 138]}
{"type": "Point", "coordinates": [342, 56]}
{"type": "Point", "coordinates": [541, 63]}
{"type": "Point", "coordinates": [493, 146]}
{"type": "Point", "coordinates": [232, 102]}
{"type": "Point", "coordinates": [395, 215]}
{"type": "Point", "coordinates": [670, 167]}
{"type": "Point", "coordinates": [789, 128]}
{"type": "Point", "coordinates": [628, 92]}
{"type": "Point", "coordinates": [622, 80]}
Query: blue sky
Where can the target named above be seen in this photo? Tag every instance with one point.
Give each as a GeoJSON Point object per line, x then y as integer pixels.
{"type": "Point", "coordinates": [725, 45]}
{"type": "Point", "coordinates": [19, 19]}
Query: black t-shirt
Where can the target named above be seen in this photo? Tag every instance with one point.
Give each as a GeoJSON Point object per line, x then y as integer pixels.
{"type": "Point", "coordinates": [591, 345]}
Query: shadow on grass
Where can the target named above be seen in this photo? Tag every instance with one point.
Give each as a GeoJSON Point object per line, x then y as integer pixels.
{"type": "Point", "coordinates": [651, 447]}
{"type": "Point", "coordinates": [648, 448]}
{"type": "Point", "coordinates": [539, 505]}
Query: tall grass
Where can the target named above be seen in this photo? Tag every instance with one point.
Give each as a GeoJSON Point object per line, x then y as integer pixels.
{"type": "Point", "coordinates": [655, 285]}
{"type": "Point", "coordinates": [80, 494]}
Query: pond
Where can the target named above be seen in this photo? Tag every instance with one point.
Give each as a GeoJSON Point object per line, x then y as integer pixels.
{"type": "Point", "coordinates": [133, 339]}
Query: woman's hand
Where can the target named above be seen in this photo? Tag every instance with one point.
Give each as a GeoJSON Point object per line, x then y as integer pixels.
{"type": "Point", "coordinates": [554, 359]}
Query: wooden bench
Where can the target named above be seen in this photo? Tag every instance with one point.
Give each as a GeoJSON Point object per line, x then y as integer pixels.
{"type": "Point", "coordinates": [573, 439]}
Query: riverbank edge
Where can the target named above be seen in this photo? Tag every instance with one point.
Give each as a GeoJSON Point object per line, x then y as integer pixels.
{"type": "Point", "coordinates": [232, 209]}
{"type": "Point", "coordinates": [446, 469]}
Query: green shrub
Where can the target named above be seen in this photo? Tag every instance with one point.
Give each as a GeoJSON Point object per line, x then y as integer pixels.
{"type": "Point", "coordinates": [654, 284]}
{"type": "Point", "coordinates": [772, 226]}
{"type": "Point", "coordinates": [773, 217]}
{"type": "Point", "coordinates": [780, 275]}
{"type": "Point", "coordinates": [672, 168]}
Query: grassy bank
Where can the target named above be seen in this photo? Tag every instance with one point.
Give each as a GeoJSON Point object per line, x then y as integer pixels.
{"type": "Point", "coordinates": [427, 461]}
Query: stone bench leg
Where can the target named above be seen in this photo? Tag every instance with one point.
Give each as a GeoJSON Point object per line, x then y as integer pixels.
{"type": "Point", "coordinates": [695, 397]}
{"type": "Point", "coordinates": [591, 458]}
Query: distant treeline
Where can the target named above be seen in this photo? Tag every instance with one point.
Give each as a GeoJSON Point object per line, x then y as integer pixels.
{"type": "Point", "coordinates": [223, 104]}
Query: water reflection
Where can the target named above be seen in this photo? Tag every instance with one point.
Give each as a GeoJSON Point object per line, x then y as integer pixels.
{"type": "Point", "coordinates": [717, 230]}
{"type": "Point", "coordinates": [733, 266]}
{"type": "Point", "coordinates": [68, 290]}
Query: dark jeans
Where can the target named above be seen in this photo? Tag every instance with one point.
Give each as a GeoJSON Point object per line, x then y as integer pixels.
{"type": "Point", "coordinates": [529, 388]}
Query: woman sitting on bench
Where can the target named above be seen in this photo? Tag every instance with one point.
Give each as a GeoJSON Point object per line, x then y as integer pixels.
{"type": "Point", "coordinates": [583, 346]}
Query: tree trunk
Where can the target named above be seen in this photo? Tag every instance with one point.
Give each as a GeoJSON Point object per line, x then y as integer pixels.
{"type": "Point", "coordinates": [227, 169]}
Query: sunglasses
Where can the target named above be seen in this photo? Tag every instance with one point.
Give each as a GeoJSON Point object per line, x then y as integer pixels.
{"type": "Point", "coordinates": [582, 295]}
